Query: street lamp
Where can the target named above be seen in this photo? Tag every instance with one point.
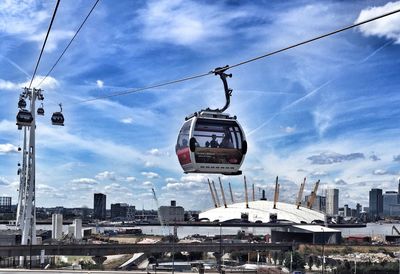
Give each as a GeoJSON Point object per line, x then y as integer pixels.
{"type": "Point", "coordinates": [323, 250]}
{"type": "Point", "coordinates": [220, 248]}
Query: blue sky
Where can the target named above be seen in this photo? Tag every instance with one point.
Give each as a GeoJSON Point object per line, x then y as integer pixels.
{"type": "Point", "coordinates": [327, 110]}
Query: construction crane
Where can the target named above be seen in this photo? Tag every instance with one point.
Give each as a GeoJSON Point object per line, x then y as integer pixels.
{"type": "Point", "coordinates": [311, 200]}
{"type": "Point", "coordinates": [160, 219]}
{"type": "Point", "coordinates": [300, 194]}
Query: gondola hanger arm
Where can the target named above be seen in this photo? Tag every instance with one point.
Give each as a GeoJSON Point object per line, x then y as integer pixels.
{"type": "Point", "coordinates": [228, 92]}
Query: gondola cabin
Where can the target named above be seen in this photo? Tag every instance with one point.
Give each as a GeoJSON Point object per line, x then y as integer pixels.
{"type": "Point", "coordinates": [57, 119]}
{"type": "Point", "coordinates": [24, 118]}
{"type": "Point", "coordinates": [211, 142]}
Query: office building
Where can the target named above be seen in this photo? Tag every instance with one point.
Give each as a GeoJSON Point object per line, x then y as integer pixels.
{"type": "Point", "coordinates": [375, 203]}
{"type": "Point", "coordinates": [99, 206]}
{"type": "Point", "coordinates": [319, 202]}
{"type": "Point", "coordinates": [390, 200]}
{"type": "Point", "coordinates": [5, 204]}
{"type": "Point", "coordinates": [332, 201]}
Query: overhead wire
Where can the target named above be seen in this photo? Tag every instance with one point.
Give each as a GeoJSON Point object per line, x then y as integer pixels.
{"type": "Point", "coordinates": [243, 62]}
{"type": "Point", "coordinates": [44, 42]}
{"type": "Point", "coordinates": [70, 42]}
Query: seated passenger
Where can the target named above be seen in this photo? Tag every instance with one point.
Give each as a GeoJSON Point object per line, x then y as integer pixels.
{"type": "Point", "coordinates": [214, 142]}
{"type": "Point", "coordinates": [226, 142]}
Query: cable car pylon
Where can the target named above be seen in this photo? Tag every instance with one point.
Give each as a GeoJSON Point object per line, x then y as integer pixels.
{"type": "Point", "coordinates": [26, 210]}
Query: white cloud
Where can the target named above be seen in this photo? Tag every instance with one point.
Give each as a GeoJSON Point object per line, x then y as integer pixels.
{"type": "Point", "coordinates": [388, 27]}
{"type": "Point", "coordinates": [185, 22]}
{"type": "Point", "coordinates": [128, 120]}
{"type": "Point", "coordinates": [171, 180]}
{"type": "Point", "coordinates": [319, 173]}
{"type": "Point", "coordinates": [147, 184]}
{"type": "Point", "coordinates": [53, 40]}
{"type": "Point", "coordinates": [100, 84]}
{"type": "Point", "coordinates": [106, 175]}
{"type": "Point", "coordinates": [380, 172]}
{"type": "Point", "coordinates": [4, 181]}
{"type": "Point", "coordinates": [198, 178]}
{"type": "Point", "coordinates": [150, 175]}
{"type": "Point", "coordinates": [289, 129]}
{"type": "Point", "coordinates": [7, 85]}
{"type": "Point", "coordinates": [87, 181]}
{"type": "Point", "coordinates": [8, 148]}
{"type": "Point", "coordinates": [49, 84]}
{"type": "Point", "coordinates": [155, 152]}
{"type": "Point", "coordinates": [130, 179]}
{"type": "Point", "coordinates": [113, 187]}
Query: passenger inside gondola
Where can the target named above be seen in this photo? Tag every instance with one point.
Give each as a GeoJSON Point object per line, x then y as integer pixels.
{"type": "Point", "coordinates": [226, 142]}
{"type": "Point", "coordinates": [213, 143]}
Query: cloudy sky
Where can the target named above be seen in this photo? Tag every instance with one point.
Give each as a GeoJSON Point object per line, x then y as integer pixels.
{"type": "Point", "coordinates": [327, 110]}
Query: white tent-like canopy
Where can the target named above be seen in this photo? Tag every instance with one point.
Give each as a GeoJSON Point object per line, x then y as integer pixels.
{"type": "Point", "coordinates": [260, 211]}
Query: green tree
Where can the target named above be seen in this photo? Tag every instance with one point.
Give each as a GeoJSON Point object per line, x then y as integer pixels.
{"type": "Point", "coordinates": [281, 257]}
{"type": "Point", "coordinates": [317, 262]}
{"type": "Point", "coordinates": [310, 262]}
{"type": "Point", "coordinates": [298, 261]}
{"type": "Point", "coordinates": [275, 257]}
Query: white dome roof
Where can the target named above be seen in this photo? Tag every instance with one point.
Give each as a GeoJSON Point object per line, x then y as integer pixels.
{"type": "Point", "coordinates": [261, 210]}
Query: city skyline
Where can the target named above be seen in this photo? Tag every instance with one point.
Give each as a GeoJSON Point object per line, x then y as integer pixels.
{"type": "Point", "coordinates": [327, 110]}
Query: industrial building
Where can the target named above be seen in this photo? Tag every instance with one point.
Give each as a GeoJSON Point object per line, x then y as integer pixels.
{"type": "Point", "coordinates": [312, 234]}
{"type": "Point", "coordinates": [172, 213]}
{"type": "Point", "coordinates": [122, 211]}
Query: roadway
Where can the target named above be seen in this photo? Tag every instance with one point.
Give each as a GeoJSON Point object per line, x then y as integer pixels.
{"type": "Point", "coordinates": [113, 249]}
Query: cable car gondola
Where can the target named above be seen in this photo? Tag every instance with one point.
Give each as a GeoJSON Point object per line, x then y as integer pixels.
{"type": "Point", "coordinates": [211, 141]}
{"type": "Point", "coordinates": [40, 110]}
{"type": "Point", "coordinates": [21, 103]}
{"type": "Point", "coordinates": [24, 118]}
{"type": "Point", "coordinates": [57, 118]}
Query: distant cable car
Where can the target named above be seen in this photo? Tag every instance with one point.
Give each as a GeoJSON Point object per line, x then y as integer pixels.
{"type": "Point", "coordinates": [21, 103]}
{"type": "Point", "coordinates": [211, 141]}
{"type": "Point", "coordinates": [40, 110]}
{"type": "Point", "coordinates": [57, 118]}
{"type": "Point", "coordinates": [24, 118]}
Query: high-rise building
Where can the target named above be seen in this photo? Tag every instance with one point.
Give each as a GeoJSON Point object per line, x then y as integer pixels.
{"type": "Point", "coordinates": [5, 204]}
{"type": "Point", "coordinates": [375, 202]}
{"type": "Point", "coordinates": [332, 201]}
{"type": "Point", "coordinates": [358, 210]}
{"type": "Point", "coordinates": [390, 200]}
{"type": "Point", "coordinates": [319, 202]}
{"type": "Point", "coordinates": [99, 206]}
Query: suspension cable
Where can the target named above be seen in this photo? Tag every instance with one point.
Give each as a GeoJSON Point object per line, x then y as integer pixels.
{"type": "Point", "coordinates": [70, 42]}
{"type": "Point", "coordinates": [243, 62]}
{"type": "Point", "coordinates": [44, 43]}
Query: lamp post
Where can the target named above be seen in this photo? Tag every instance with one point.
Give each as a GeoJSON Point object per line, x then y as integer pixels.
{"type": "Point", "coordinates": [220, 248]}
{"type": "Point", "coordinates": [323, 250]}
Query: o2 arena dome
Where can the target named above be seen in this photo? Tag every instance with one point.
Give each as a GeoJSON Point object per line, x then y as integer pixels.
{"type": "Point", "coordinates": [262, 211]}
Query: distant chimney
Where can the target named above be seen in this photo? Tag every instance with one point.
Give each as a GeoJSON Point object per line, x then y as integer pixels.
{"type": "Point", "coordinates": [173, 203]}
{"type": "Point", "coordinates": [263, 196]}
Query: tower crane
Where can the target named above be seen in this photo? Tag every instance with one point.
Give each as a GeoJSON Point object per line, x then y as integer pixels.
{"type": "Point", "coordinates": [160, 219]}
